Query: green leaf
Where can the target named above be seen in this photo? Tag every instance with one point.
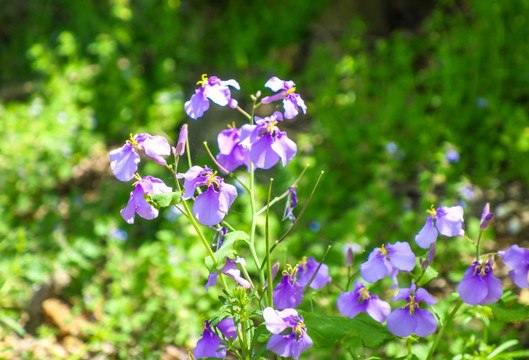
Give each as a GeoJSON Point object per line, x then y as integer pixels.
{"type": "Point", "coordinates": [226, 250]}
{"type": "Point", "coordinates": [165, 199]}
{"type": "Point", "coordinates": [325, 331]}
{"type": "Point", "coordinates": [429, 274]}
{"type": "Point", "coordinates": [509, 313]}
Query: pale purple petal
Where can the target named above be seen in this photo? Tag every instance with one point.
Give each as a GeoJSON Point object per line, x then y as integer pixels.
{"type": "Point", "coordinates": [284, 147]}
{"type": "Point", "coordinates": [124, 162]}
{"type": "Point", "coordinates": [449, 220]}
{"type": "Point", "coordinates": [262, 154]}
{"type": "Point", "coordinates": [423, 295]}
{"type": "Point", "coordinates": [274, 320]}
{"type": "Point", "coordinates": [207, 208]}
{"type": "Point", "coordinates": [472, 288]}
{"type": "Point", "coordinates": [291, 108]}
{"type": "Point", "coordinates": [401, 256]}
{"type": "Point", "coordinates": [495, 290]}
{"type": "Point", "coordinates": [427, 235]}
{"type": "Point", "coordinates": [374, 268]}
{"type": "Point", "coordinates": [349, 305]}
{"type": "Point", "coordinates": [231, 270]}
{"type": "Point", "coordinates": [128, 212]}
{"type": "Point", "coordinates": [155, 147]}
{"type": "Point", "coordinates": [209, 346]}
{"type": "Point", "coordinates": [212, 280]}
{"type": "Point", "coordinates": [426, 322]}
{"type": "Point", "coordinates": [404, 293]}
{"type": "Point", "coordinates": [275, 84]}
{"type": "Point", "coordinates": [321, 279]}
{"type": "Point", "coordinates": [182, 140]}
{"type": "Point", "coordinates": [217, 94]}
{"type": "Point", "coordinates": [517, 258]}
{"type": "Point", "coordinates": [401, 323]}
{"type": "Point", "coordinates": [287, 294]}
{"type": "Point", "coordinates": [300, 345]}
{"type": "Point", "coordinates": [281, 344]}
{"type": "Point", "coordinates": [197, 105]}
{"type": "Point", "coordinates": [228, 193]}
{"type": "Point", "coordinates": [227, 139]}
{"type": "Point", "coordinates": [378, 309]}
{"type": "Point", "coordinates": [231, 82]}
{"type": "Point", "coordinates": [227, 328]}
{"type": "Point", "coordinates": [272, 98]}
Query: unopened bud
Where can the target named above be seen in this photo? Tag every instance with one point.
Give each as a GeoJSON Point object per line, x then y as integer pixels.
{"type": "Point", "coordinates": [182, 139]}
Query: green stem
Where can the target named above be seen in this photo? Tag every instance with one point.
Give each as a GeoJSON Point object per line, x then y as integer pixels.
{"type": "Point", "coordinates": [443, 327]}
{"type": "Point", "coordinates": [477, 245]}
{"type": "Point", "coordinates": [267, 240]}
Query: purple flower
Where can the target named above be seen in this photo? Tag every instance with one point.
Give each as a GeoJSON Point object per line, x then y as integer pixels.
{"type": "Point", "coordinates": [182, 140]}
{"type": "Point", "coordinates": [232, 154]}
{"type": "Point", "coordinates": [210, 344]}
{"type": "Point", "coordinates": [213, 204]}
{"type": "Point", "coordinates": [448, 221]}
{"type": "Point", "coordinates": [229, 269]}
{"type": "Point", "coordinates": [412, 319]}
{"type": "Point", "coordinates": [517, 258]}
{"type": "Point", "coordinates": [285, 90]}
{"type": "Point", "coordinates": [266, 143]}
{"type": "Point", "coordinates": [388, 260]}
{"type": "Point", "coordinates": [288, 293]}
{"type": "Point", "coordinates": [124, 161]}
{"type": "Point", "coordinates": [479, 286]}
{"type": "Point", "coordinates": [138, 199]}
{"type": "Point", "coordinates": [486, 217]}
{"type": "Point", "coordinates": [291, 344]}
{"type": "Point", "coordinates": [359, 300]}
{"type": "Point", "coordinates": [212, 89]}
{"type": "Point", "coordinates": [452, 156]}
{"type": "Point", "coordinates": [307, 268]}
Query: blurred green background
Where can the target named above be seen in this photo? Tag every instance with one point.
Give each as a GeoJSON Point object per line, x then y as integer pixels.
{"type": "Point", "coordinates": [395, 90]}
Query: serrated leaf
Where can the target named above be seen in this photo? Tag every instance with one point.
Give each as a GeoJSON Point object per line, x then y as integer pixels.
{"type": "Point", "coordinates": [165, 199]}
{"type": "Point", "coordinates": [509, 313]}
{"type": "Point", "coordinates": [429, 274]}
{"type": "Point", "coordinates": [325, 331]}
{"type": "Point", "coordinates": [226, 250]}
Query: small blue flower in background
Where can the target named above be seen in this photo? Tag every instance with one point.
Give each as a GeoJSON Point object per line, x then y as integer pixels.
{"type": "Point", "coordinates": [412, 319]}
{"type": "Point", "coordinates": [391, 147]}
{"type": "Point", "coordinates": [314, 226]}
{"type": "Point", "coordinates": [291, 344]}
{"type": "Point", "coordinates": [452, 155]}
{"type": "Point", "coordinates": [118, 234]}
{"type": "Point", "coordinates": [479, 286]}
{"type": "Point", "coordinates": [466, 191]}
{"type": "Point", "coordinates": [481, 103]}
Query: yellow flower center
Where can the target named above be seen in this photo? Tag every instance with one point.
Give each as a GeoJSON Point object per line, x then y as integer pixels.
{"type": "Point", "coordinates": [232, 125]}
{"type": "Point", "coordinates": [431, 211]}
{"type": "Point", "coordinates": [383, 250]}
{"type": "Point", "coordinates": [412, 304]}
{"type": "Point", "coordinates": [212, 179]}
{"type": "Point", "coordinates": [271, 125]}
{"type": "Point", "coordinates": [481, 269]}
{"type": "Point", "coordinates": [133, 141]}
{"type": "Point", "coordinates": [300, 328]}
{"type": "Point", "coordinates": [364, 293]}
{"type": "Point", "coordinates": [290, 91]}
{"type": "Point", "coordinates": [204, 80]}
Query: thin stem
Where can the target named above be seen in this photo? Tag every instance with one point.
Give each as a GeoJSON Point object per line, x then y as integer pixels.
{"type": "Point", "coordinates": [248, 116]}
{"type": "Point", "coordinates": [477, 245]}
{"type": "Point", "coordinates": [267, 239]}
{"type": "Point", "coordinates": [443, 327]}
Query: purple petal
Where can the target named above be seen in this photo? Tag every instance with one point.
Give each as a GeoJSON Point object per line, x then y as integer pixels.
{"type": "Point", "coordinates": [227, 328]}
{"type": "Point", "coordinates": [378, 309]}
{"type": "Point", "coordinates": [291, 108]}
{"type": "Point", "coordinates": [197, 105]}
{"type": "Point", "coordinates": [472, 288]}
{"type": "Point", "coordinates": [374, 268]}
{"type": "Point", "coordinates": [231, 82]}
{"type": "Point", "coordinates": [427, 235]}
{"type": "Point", "coordinates": [426, 322]}
{"type": "Point", "coordinates": [449, 220]}
{"type": "Point", "coordinates": [207, 208]}
{"type": "Point", "coordinates": [128, 212]}
{"type": "Point", "coordinates": [272, 98]}
{"type": "Point", "coordinates": [321, 279]}
{"type": "Point", "coordinates": [287, 295]}
{"type": "Point", "coordinates": [227, 139]}
{"type": "Point", "coordinates": [182, 139]}
{"type": "Point", "coordinates": [275, 320]}
{"type": "Point", "coordinates": [404, 293]}
{"type": "Point", "coordinates": [401, 323]}
{"type": "Point", "coordinates": [124, 162]}
{"type": "Point", "coordinates": [209, 346]}
{"type": "Point", "coordinates": [212, 280]}
{"type": "Point", "coordinates": [231, 270]}
{"type": "Point", "coordinates": [495, 290]}
{"type": "Point", "coordinates": [284, 147]}
{"type": "Point", "coordinates": [281, 344]}
{"type": "Point", "coordinates": [349, 305]}
{"type": "Point", "coordinates": [300, 345]}
{"type": "Point", "coordinates": [401, 256]}
{"type": "Point", "coordinates": [218, 94]}
{"type": "Point", "coordinates": [423, 295]}
{"type": "Point", "coordinates": [275, 84]}
{"type": "Point", "coordinates": [228, 194]}
{"type": "Point", "coordinates": [155, 147]}
{"type": "Point", "coordinates": [262, 154]}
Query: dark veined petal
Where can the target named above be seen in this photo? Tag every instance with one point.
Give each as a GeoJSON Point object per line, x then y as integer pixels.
{"type": "Point", "coordinates": [209, 346]}
{"type": "Point", "coordinates": [287, 295]}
